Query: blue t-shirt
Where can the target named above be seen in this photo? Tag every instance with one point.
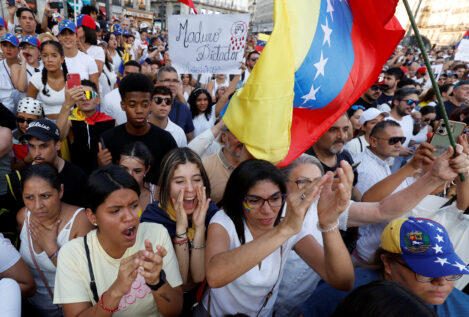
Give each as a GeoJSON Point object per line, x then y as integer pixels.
{"type": "Point", "coordinates": [325, 299]}
{"type": "Point", "coordinates": [181, 115]}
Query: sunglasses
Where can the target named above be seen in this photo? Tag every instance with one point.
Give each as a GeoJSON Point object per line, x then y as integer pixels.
{"type": "Point", "coordinates": [427, 120]}
{"type": "Point", "coordinates": [411, 102]}
{"type": "Point", "coordinates": [159, 100]}
{"type": "Point", "coordinates": [90, 94]}
{"type": "Point", "coordinates": [23, 120]}
{"type": "Point", "coordinates": [254, 59]}
{"type": "Point", "coordinates": [380, 87]}
{"type": "Point", "coordinates": [356, 107]}
{"type": "Point", "coordinates": [394, 140]}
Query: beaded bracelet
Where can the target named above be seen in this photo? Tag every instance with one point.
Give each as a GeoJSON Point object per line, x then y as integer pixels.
{"type": "Point", "coordinates": [328, 229]}
{"type": "Point", "coordinates": [196, 247]}
{"type": "Point", "coordinates": [53, 255]}
{"type": "Point", "coordinates": [181, 242]}
{"type": "Point", "coordinates": [107, 309]}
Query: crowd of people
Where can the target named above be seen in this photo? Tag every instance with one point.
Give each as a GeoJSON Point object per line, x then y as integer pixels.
{"type": "Point", "coordinates": [122, 191]}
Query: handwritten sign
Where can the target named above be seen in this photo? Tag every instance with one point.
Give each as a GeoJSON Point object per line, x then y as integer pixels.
{"type": "Point", "coordinates": [462, 53]}
{"type": "Point", "coordinates": [211, 43]}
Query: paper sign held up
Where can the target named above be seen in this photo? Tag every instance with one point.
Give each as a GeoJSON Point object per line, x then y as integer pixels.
{"type": "Point", "coordinates": [210, 43]}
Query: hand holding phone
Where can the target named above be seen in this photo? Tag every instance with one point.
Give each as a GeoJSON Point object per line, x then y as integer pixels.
{"type": "Point", "coordinates": [440, 139]}
{"type": "Point", "coordinates": [73, 80]}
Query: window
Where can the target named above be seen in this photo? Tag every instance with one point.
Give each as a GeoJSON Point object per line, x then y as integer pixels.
{"type": "Point", "coordinates": [176, 9]}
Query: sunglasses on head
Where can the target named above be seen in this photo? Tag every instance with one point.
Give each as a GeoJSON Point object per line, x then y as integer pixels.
{"type": "Point", "coordinates": [22, 120]}
{"type": "Point", "coordinates": [380, 87]}
{"type": "Point", "coordinates": [159, 100]}
{"type": "Point", "coordinates": [90, 94]}
{"type": "Point", "coordinates": [356, 107]}
{"type": "Point", "coordinates": [411, 102]}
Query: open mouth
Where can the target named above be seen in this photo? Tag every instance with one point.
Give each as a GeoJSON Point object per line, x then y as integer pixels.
{"type": "Point", "coordinates": [189, 203]}
{"type": "Point", "coordinates": [130, 233]}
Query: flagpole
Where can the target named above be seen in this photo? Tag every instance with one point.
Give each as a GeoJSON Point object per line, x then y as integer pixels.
{"type": "Point", "coordinates": [432, 78]}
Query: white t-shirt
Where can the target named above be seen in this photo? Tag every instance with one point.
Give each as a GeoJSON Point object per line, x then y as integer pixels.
{"type": "Point", "coordinates": [8, 254]}
{"type": "Point", "coordinates": [116, 62]}
{"type": "Point", "coordinates": [30, 71]}
{"type": "Point", "coordinates": [107, 81]}
{"type": "Point", "coordinates": [201, 123]}
{"type": "Point", "coordinates": [82, 64]}
{"type": "Point", "coordinates": [111, 105]}
{"type": "Point", "coordinates": [96, 52]}
{"type": "Point", "coordinates": [356, 145]}
{"type": "Point", "coordinates": [72, 282]}
{"type": "Point", "coordinates": [52, 103]}
{"type": "Point", "coordinates": [247, 293]}
{"type": "Point", "coordinates": [177, 132]}
{"type": "Point", "coordinates": [421, 136]}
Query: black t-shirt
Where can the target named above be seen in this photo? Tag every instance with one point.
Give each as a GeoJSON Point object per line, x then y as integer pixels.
{"type": "Point", "coordinates": [384, 99]}
{"type": "Point", "coordinates": [7, 118]}
{"type": "Point", "coordinates": [158, 141]}
{"type": "Point", "coordinates": [342, 156]}
{"type": "Point", "coordinates": [449, 106]}
{"type": "Point", "coordinates": [75, 181]}
{"type": "Point", "coordinates": [365, 104]}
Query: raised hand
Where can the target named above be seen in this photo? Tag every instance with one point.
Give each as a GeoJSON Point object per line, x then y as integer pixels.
{"type": "Point", "coordinates": [198, 217]}
{"type": "Point", "coordinates": [104, 156]}
{"type": "Point", "coordinates": [151, 263]}
{"type": "Point", "coordinates": [181, 216]}
{"type": "Point", "coordinates": [335, 199]}
{"type": "Point", "coordinates": [423, 156]}
{"type": "Point", "coordinates": [447, 167]}
{"type": "Point", "coordinates": [128, 270]}
{"type": "Point", "coordinates": [45, 237]}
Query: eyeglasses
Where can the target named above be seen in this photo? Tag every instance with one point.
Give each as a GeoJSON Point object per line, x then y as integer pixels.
{"type": "Point", "coordinates": [172, 81]}
{"type": "Point", "coordinates": [167, 101]}
{"type": "Point", "coordinates": [425, 279]}
{"type": "Point", "coordinates": [256, 202]}
{"type": "Point", "coordinates": [411, 102]}
{"type": "Point", "coordinates": [380, 87]}
{"type": "Point", "coordinates": [394, 140]}
{"type": "Point", "coordinates": [23, 120]}
{"type": "Point", "coordinates": [356, 107]}
{"type": "Point", "coordinates": [89, 94]}
{"type": "Point", "coordinates": [302, 182]}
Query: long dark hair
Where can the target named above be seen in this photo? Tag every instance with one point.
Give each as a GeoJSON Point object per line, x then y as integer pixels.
{"type": "Point", "coordinates": [138, 150]}
{"type": "Point", "coordinates": [243, 178]}
{"type": "Point", "coordinates": [193, 105]}
{"type": "Point", "coordinates": [43, 171]}
{"type": "Point", "coordinates": [90, 35]}
{"type": "Point", "coordinates": [60, 49]}
{"type": "Point", "coordinates": [106, 180]}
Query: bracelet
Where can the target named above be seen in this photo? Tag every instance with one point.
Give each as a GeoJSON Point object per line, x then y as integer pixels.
{"type": "Point", "coordinates": [182, 235]}
{"type": "Point", "coordinates": [196, 247]}
{"type": "Point", "coordinates": [328, 229]}
{"type": "Point", "coordinates": [107, 309]}
{"type": "Point", "coordinates": [53, 255]}
{"type": "Point", "coordinates": [181, 242]}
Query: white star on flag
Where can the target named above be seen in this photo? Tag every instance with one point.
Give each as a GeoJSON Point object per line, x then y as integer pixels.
{"type": "Point", "coordinates": [419, 221]}
{"type": "Point", "coordinates": [439, 238]}
{"type": "Point", "coordinates": [311, 95]}
{"type": "Point", "coordinates": [460, 266]}
{"type": "Point", "coordinates": [327, 33]}
{"type": "Point", "coordinates": [437, 249]}
{"type": "Point", "coordinates": [430, 224]}
{"type": "Point", "coordinates": [330, 9]}
{"type": "Point", "coordinates": [439, 230]}
{"type": "Point", "coordinates": [320, 66]}
{"type": "Point", "coordinates": [410, 220]}
{"type": "Point", "coordinates": [442, 261]}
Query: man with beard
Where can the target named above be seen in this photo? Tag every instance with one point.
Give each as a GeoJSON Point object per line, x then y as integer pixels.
{"type": "Point", "coordinates": [403, 103]}
{"type": "Point", "coordinates": [370, 97]}
{"type": "Point", "coordinates": [220, 165]}
{"type": "Point", "coordinates": [30, 46]}
{"type": "Point", "coordinates": [391, 79]}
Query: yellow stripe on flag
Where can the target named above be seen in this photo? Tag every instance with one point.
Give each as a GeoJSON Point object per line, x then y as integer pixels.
{"type": "Point", "coordinates": [263, 37]}
{"type": "Point", "coordinates": [260, 114]}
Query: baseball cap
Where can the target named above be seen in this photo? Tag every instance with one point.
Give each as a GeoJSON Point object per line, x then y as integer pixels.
{"type": "Point", "coordinates": [379, 81]}
{"type": "Point", "coordinates": [3, 23]}
{"type": "Point", "coordinates": [370, 114]}
{"type": "Point", "coordinates": [422, 70]}
{"type": "Point", "coordinates": [32, 40]}
{"type": "Point", "coordinates": [126, 33]}
{"type": "Point", "coordinates": [67, 24]}
{"type": "Point", "coordinates": [42, 129]}
{"type": "Point", "coordinates": [86, 20]}
{"type": "Point", "coordinates": [10, 38]}
{"type": "Point", "coordinates": [30, 105]}
{"type": "Point", "coordinates": [143, 26]}
{"type": "Point", "coordinates": [460, 83]}
{"type": "Point", "coordinates": [116, 29]}
{"type": "Point", "coordinates": [424, 245]}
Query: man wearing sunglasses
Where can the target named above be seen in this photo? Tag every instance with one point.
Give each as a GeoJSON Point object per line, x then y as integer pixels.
{"type": "Point", "coordinates": [161, 102]}
{"type": "Point", "coordinates": [370, 97]}
{"type": "Point", "coordinates": [84, 126]}
{"type": "Point", "coordinates": [416, 253]}
{"type": "Point", "coordinates": [251, 61]}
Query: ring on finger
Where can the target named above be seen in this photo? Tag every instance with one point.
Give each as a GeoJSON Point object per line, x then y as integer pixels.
{"type": "Point", "coordinates": [303, 196]}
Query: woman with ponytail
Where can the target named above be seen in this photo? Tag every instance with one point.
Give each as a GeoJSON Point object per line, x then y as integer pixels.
{"type": "Point", "coordinates": [49, 85]}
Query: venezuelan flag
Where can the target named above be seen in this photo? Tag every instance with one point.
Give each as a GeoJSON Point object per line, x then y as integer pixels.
{"type": "Point", "coordinates": [334, 49]}
{"type": "Point", "coordinates": [262, 39]}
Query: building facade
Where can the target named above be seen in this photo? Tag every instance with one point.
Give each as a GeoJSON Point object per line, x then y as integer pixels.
{"type": "Point", "coordinates": [262, 16]}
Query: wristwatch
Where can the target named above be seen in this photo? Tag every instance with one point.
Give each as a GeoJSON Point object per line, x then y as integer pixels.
{"type": "Point", "coordinates": [160, 283]}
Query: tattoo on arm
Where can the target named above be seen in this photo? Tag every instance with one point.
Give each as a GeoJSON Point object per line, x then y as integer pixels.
{"type": "Point", "coordinates": [163, 296]}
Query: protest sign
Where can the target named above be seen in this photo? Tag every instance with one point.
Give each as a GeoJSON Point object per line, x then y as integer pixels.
{"type": "Point", "coordinates": [436, 69]}
{"type": "Point", "coordinates": [210, 43]}
{"type": "Point", "coordinates": [463, 51]}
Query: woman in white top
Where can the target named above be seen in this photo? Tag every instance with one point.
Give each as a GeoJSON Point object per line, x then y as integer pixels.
{"type": "Point", "coordinates": [426, 121]}
{"type": "Point", "coordinates": [88, 40]}
{"type": "Point", "coordinates": [186, 80]}
{"type": "Point", "coordinates": [134, 268]}
{"type": "Point", "coordinates": [248, 244]}
{"type": "Point", "coordinates": [113, 52]}
{"type": "Point", "coordinates": [49, 85]}
{"type": "Point", "coordinates": [108, 78]}
{"type": "Point", "coordinates": [46, 225]}
{"type": "Point", "coordinates": [219, 81]}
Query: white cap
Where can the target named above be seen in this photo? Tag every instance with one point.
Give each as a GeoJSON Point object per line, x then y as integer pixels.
{"type": "Point", "coordinates": [143, 25]}
{"type": "Point", "coordinates": [370, 114]}
{"type": "Point", "coordinates": [30, 105]}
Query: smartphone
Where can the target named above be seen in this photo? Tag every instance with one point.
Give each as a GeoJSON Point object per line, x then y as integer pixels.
{"type": "Point", "coordinates": [440, 139]}
{"type": "Point", "coordinates": [103, 146]}
{"type": "Point", "coordinates": [11, 3]}
{"type": "Point", "coordinates": [56, 5]}
{"type": "Point", "coordinates": [73, 80]}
